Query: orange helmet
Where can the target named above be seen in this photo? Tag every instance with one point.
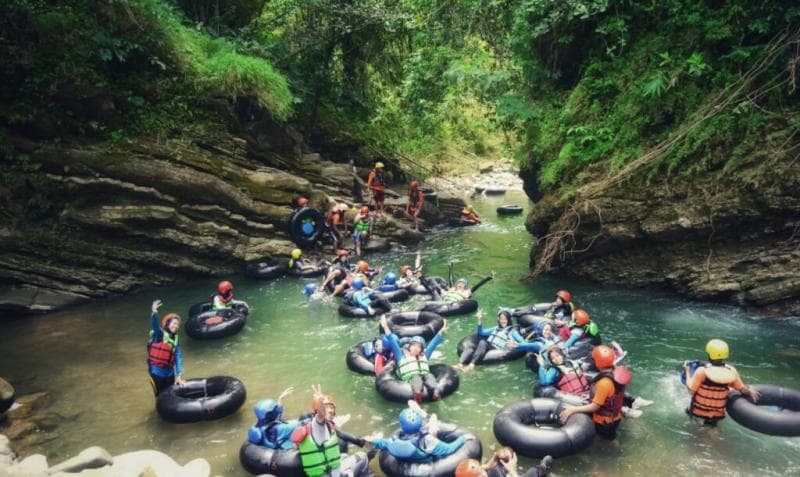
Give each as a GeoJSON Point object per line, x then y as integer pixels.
{"type": "Point", "coordinates": [580, 317]}
{"type": "Point", "coordinates": [603, 357]}
{"type": "Point", "coordinates": [362, 266]}
{"type": "Point", "coordinates": [302, 202]}
{"type": "Point", "coordinates": [169, 317]}
{"type": "Point", "coordinates": [469, 468]}
{"type": "Point", "coordinates": [414, 184]}
{"type": "Point", "coordinates": [565, 296]}
{"type": "Point", "coordinates": [224, 287]}
{"type": "Point", "coordinates": [364, 210]}
{"type": "Point", "coordinates": [404, 269]}
{"type": "Point", "coordinates": [318, 405]}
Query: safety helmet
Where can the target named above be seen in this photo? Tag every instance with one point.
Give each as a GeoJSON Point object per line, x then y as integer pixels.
{"type": "Point", "coordinates": [390, 278]}
{"type": "Point", "coordinates": [378, 165]}
{"type": "Point", "coordinates": [362, 266]}
{"type": "Point", "coordinates": [302, 202]}
{"type": "Point", "coordinates": [580, 317]}
{"type": "Point", "coordinates": [364, 210]}
{"type": "Point", "coordinates": [327, 400]}
{"type": "Point", "coordinates": [358, 284]}
{"type": "Point", "coordinates": [414, 184]}
{"type": "Point", "coordinates": [224, 287]}
{"type": "Point", "coordinates": [603, 357]}
{"type": "Point", "coordinates": [462, 280]}
{"type": "Point", "coordinates": [404, 269]}
{"type": "Point", "coordinates": [469, 468]}
{"type": "Point", "coordinates": [268, 410]}
{"type": "Point", "coordinates": [342, 207]}
{"type": "Point", "coordinates": [717, 350]}
{"type": "Point", "coordinates": [297, 253]}
{"type": "Point", "coordinates": [565, 296]}
{"type": "Point", "coordinates": [470, 207]}
{"type": "Point", "coordinates": [169, 317]}
{"type": "Point", "coordinates": [368, 349]}
{"type": "Point", "coordinates": [309, 289]}
{"type": "Point", "coordinates": [417, 339]}
{"type": "Point", "coordinates": [410, 421]}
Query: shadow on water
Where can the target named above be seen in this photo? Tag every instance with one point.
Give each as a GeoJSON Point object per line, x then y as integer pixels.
{"type": "Point", "coordinates": [91, 361]}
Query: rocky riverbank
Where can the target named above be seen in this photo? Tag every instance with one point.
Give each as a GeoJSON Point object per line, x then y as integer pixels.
{"type": "Point", "coordinates": [104, 219]}
{"type": "Point", "coordinates": [734, 240]}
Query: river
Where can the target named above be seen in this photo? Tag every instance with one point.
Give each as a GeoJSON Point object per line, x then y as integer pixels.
{"type": "Point", "coordinates": [91, 362]}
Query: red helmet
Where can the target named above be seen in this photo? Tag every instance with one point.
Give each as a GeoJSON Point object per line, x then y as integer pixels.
{"type": "Point", "coordinates": [224, 287]}
{"type": "Point", "coordinates": [565, 296]}
{"type": "Point", "coordinates": [414, 184]}
{"type": "Point", "coordinates": [302, 202]}
{"type": "Point", "coordinates": [469, 468]}
{"type": "Point", "coordinates": [603, 357]}
{"type": "Point", "coordinates": [169, 317]}
{"type": "Point", "coordinates": [362, 266]}
{"type": "Point", "coordinates": [580, 317]}
{"type": "Point", "coordinates": [318, 405]}
{"type": "Point", "coordinates": [364, 210]}
{"type": "Point", "coordinates": [404, 269]}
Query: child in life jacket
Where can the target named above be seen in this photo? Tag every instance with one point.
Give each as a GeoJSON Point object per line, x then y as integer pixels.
{"type": "Point", "coordinates": [164, 357]}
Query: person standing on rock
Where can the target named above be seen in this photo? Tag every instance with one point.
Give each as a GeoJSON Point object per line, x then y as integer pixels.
{"type": "Point", "coordinates": [164, 357]}
{"type": "Point", "coordinates": [415, 200]}
{"type": "Point", "coordinates": [335, 225]}
{"type": "Point", "coordinates": [377, 184]}
{"type": "Point", "coordinates": [362, 229]}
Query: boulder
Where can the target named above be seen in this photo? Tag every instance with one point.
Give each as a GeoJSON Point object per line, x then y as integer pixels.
{"type": "Point", "coordinates": [91, 458]}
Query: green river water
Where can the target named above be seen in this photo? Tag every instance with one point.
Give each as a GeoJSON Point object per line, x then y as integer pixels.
{"type": "Point", "coordinates": [91, 362]}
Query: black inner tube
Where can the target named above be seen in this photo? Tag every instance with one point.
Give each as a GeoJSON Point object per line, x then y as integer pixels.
{"type": "Point", "coordinates": [445, 466]}
{"type": "Point", "coordinates": [415, 323]}
{"type": "Point", "coordinates": [493, 355]}
{"type": "Point", "coordinates": [782, 420]}
{"type": "Point", "coordinates": [393, 389]}
{"type": "Point", "coordinates": [532, 428]}
{"type": "Point", "coordinates": [260, 460]}
{"type": "Point", "coordinates": [201, 399]}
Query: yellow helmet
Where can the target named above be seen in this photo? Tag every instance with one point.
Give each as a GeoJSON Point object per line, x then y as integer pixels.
{"type": "Point", "coordinates": [378, 165]}
{"type": "Point", "coordinates": [470, 208]}
{"type": "Point", "coordinates": [717, 350]}
{"type": "Point", "coordinates": [296, 253]}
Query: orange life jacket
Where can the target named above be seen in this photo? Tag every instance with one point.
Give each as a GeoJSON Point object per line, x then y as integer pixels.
{"type": "Point", "coordinates": [711, 397]}
{"type": "Point", "coordinates": [611, 410]}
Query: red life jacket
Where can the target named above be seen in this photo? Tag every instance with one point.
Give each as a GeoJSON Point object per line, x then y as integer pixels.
{"type": "Point", "coordinates": [414, 197]}
{"type": "Point", "coordinates": [612, 408]}
{"type": "Point", "coordinates": [572, 380]}
{"type": "Point", "coordinates": [161, 354]}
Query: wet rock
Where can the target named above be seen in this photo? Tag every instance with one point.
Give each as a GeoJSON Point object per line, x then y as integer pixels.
{"type": "Point", "coordinates": [33, 465]}
{"type": "Point", "coordinates": [28, 404]}
{"type": "Point", "coordinates": [6, 395]}
{"type": "Point", "coordinates": [91, 458]}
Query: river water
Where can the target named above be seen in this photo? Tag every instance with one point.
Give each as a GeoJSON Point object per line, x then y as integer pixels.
{"type": "Point", "coordinates": [91, 362]}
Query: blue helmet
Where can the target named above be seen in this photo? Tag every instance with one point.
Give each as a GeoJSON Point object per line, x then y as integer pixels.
{"type": "Point", "coordinates": [410, 421]}
{"type": "Point", "coordinates": [390, 278]}
{"type": "Point", "coordinates": [358, 283]}
{"type": "Point", "coordinates": [268, 410]}
{"type": "Point", "coordinates": [309, 289]}
{"type": "Point", "coordinates": [417, 339]}
{"type": "Point", "coordinates": [368, 349]}
{"type": "Point", "coordinates": [462, 280]}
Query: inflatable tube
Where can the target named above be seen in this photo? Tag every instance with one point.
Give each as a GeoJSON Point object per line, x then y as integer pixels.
{"type": "Point", "coordinates": [395, 390]}
{"type": "Point", "coordinates": [211, 324]}
{"type": "Point", "coordinates": [401, 294]}
{"type": "Point", "coordinates": [260, 460]}
{"type": "Point", "coordinates": [532, 428]}
{"type": "Point", "coordinates": [7, 395]}
{"type": "Point", "coordinates": [414, 323]}
{"type": "Point", "coordinates": [306, 226]}
{"type": "Point", "coordinates": [493, 356]}
{"type": "Point", "coordinates": [461, 223]}
{"type": "Point", "coordinates": [783, 421]}
{"type": "Point", "coordinates": [538, 309]}
{"type": "Point", "coordinates": [201, 399]}
{"type": "Point", "coordinates": [582, 349]}
{"type": "Point", "coordinates": [494, 191]}
{"type": "Point", "coordinates": [442, 467]}
{"type": "Point", "coordinates": [509, 209]}
{"type": "Point", "coordinates": [320, 267]}
{"type": "Point", "coordinates": [356, 312]}
{"type": "Point", "coordinates": [450, 308]}
{"type": "Point", "coordinates": [356, 361]}
{"type": "Point", "coordinates": [265, 270]}
{"type": "Point", "coordinates": [553, 393]}
{"type": "Point", "coordinates": [529, 321]}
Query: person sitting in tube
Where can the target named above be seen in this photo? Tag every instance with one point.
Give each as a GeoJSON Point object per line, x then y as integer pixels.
{"type": "Point", "coordinates": [409, 278]}
{"type": "Point", "coordinates": [468, 214]}
{"type": "Point", "coordinates": [379, 351]}
{"type": "Point", "coordinates": [362, 297]}
{"type": "Point", "coordinates": [412, 361]}
{"type": "Point", "coordinates": [541, 339]}
{"type": "Point", "coordinates": [271, 430]}
{"type": "Point", "coordinates": [164, 356]}
{"type": "Point", "coordinates": [497, 337]}
{"type": "Point", "coordinates": [339, 271]}
{"type": "Point", "coordinates": [417, 441]}
{"type": "Point", "coordinates": [581, 327]}
{"type": "Point", "coordinates": [223, 299]}
{"type": "Point", "coordinates": [299, 264]}
{"type": "Point", "coordinates": [503, 463]}
{"type": "Point", "coordinates": [561, 308]}
{"type": "Point", "coordinates": [362, 271]}
{"type": "Point", "coordinates": [318, 443]}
